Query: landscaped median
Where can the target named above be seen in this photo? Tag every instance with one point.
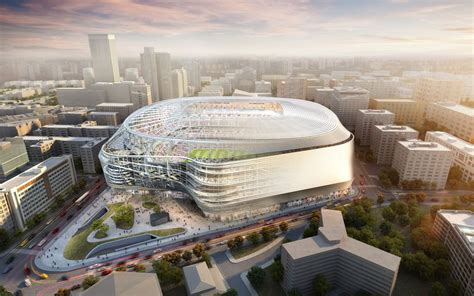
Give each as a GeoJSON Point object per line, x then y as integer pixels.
{"type": "Point", "coordinates": [78, 247]}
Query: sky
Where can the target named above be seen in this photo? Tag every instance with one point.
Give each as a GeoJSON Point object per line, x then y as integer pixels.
{"type": "Point", "coordinates": [58, 29]}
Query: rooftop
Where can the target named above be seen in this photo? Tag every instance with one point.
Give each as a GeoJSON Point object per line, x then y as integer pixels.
{"type": "Point", "coordinates": [456, 108]}
{"type": "Point", "coordinates": [125, 284]}
{"type": "Point", "coordinates": [375, 111]}
{"type": "Point", "coordinates": [351, 90]}
{"type": "Point", "coordinates": [198, 278]}
{"type": "Point", "coordinates": [463, 221]}
{"type": "Point", "coordinates": [451, 140]}
{"type": "Point", "coordinates": [333, 236]}
{"type": "Point", "coordinates": [115, 105]}
{"type": "Point", "coordinates": [397, 100]}
{"type": "Point", "coordinates": [395, 128]}
{"type": "Point", "coordinates": [418, 145]}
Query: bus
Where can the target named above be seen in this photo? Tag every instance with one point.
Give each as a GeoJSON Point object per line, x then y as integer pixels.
{"type": "Point", "coordinates": [42, 242]}
{"type": "Point", "coordinates": [81, 199]}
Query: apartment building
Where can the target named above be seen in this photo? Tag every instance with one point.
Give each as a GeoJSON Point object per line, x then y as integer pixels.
{"type": "Point", "coordinates": [404, 109]}
{"type": "Point", "coordinates": [456, 230]}
{"type": "Point", "coordinates": [123, 109]}
{"type": "Point", "coordinates": [86, 129]}
{"type": "Point", "coordinates": [426, 161]}
{"type": "Point", "coordinates": [463, 152]}
{"type": "Point", "coordinates": [104, 118]}
{"type": "Point", "coordinates": [366, 119]}
{"type": "Point", "coordinates": [13, 156]}
{"type": "Point", "coordinates": [436, 90]}
{"type": "Point", "coordinates": [34, 190]}
{"type": "Point", "coordinates": [72, 117]}
{"type": "Point", "coordinates": [346, 102]}
{"type": "Point", "coordinates": [458, 120]}
{"type": "Point", "coordinates": [348, 264]}
{"type": "Point", "coordinates": [384, 137]}
{"type": "Point", "coordinates": [293, 87]}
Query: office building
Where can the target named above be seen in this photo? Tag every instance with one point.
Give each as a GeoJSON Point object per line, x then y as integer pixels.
{"type": "Point", "coordinates": [177, 83]}
{"type": "Point", "coordinates": [126, 284]}
{"type": "Point", "coordinates": [104, 57]}
{"type": "Point", "coordinates": [163, 68]}
{"type": "Point", "coordinates": [404, 109]}
{"type": "Point", "coordinates": [80, 97]}
{"type": "Point", "coordinates": [194, 75]}
{"type": "Point", "coordinates": [6, 218]}
{"type": "Point", "coordinates": [348, 264]}
{"type": "Point", "coordinates": [365, 121]}
{"type": "Point", "coordinates": [131, 74]}
{"type": "Point", "coordinates": [72, 117]}
{"type": "Point", "coordinates": [268, 133]}
{"type": "Point", "coordinates": [88, 76]}
{"type": "Point", "coordinates": [456, 119]}
{"type": "Point", "coordinates": [383, 139]}
{"type": "Point", "coordinates": [211, 90]}
{"type": "Point", "coordinates": [463, 152]}
{"type": "Point", "coordinates": [123, 109]}
{"type": "Point", "coordinates": [346, 102]}
{"type": "Point", "coordinates": [34, 190]}
{"type": "Point", "coordinates": [104, 118]}
{"type": "Point", "coordinates": [185, 81]}
{"type": "Point", "coordinates": [263, 86]}
{"type": "Point", "coordinates": [455, 229]}
{"type": "Point", "coordinates": [201, 281]}
{"type": "Point", "coordinates": [426, 161]}
{"type": "Point", "coordinates": [13, 156]}
{"type": "Point", "coordinates": [86, 129]}
{"type": "Point", "coordinates": [19, 127]}
{"type": "Point", "coordinates": [293, 87]}
{"type": "Point", "coordinates": [150, 71]}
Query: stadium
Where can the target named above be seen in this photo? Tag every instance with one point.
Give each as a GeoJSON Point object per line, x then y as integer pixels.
{"type": "Point", "coordinates": [236, 157]}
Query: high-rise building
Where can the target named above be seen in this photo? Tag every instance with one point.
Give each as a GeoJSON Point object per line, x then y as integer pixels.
{"type": "Point", "coordinates": [456, 119]}
{"type": "Point", "coordinates": [426, 161]}
{"type": "Point", "coordinates": [454, 229]}
{"type": "Point", "coordinates": [131, 74]}
{"type": "Point", "coordinates": [184, 76]}
{"type": "Point", "coordinates": [13, 156]}
{"type": "Point", "coordinates": [177, 81]}
{"type": "Point", "coordinates": [435, 90]}
{"type": "Point", "coordinates": [365, 121]}
{"type": "Point", "coordinates": [123, 109]}
{"type": "Point", "coordinates": [348, 264]}
{"type": "Point", "coordinates": [463, 152]}
{"type": "Point", "coordinates": [384, 137]}
{"type": "Point", "coordinates": [88, 76]}
{"type": "Point", "coordinates": [404, 109]}
{"type": "Point", "coordinates": [34, 190]}
{"type": "Point", "coordinates": [163, 67]}
{"type": "Point", "coordinates": [150, 72]}
{"type": "Point", "coordinates": [293, 87]}
{"type": "Point", "coordinates": [194, 75]}
{"type": "Point", "coordinates": [346, 102]}
{"type": "Point", "coordinates": [104, 57]}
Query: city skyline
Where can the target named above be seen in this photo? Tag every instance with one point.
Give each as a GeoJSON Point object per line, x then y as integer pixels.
{"type": "Point", "coordinates": [47, 29]}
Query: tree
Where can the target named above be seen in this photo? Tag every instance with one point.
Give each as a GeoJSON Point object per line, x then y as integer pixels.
{"type": "Point", "coordinates": [403, 220]}
{"type": "Point", "coordinates": [60, 292]}
{"type": "Point", "coordinates": [277, 271]}
{"type": "Point", "coordinates": [442, 269]}
{"type": "Point", "coordinates": [268, 232]}
{"type": "Point", "coordinates": [239, 241]}
{"type": "Point", "coordinates": [230, 292]}
{"type": "Point", "coordinates": [420, 197]}
{"type": "Point", "coordinates": [89, 281]}
{"type": "Point", "coordinates": [386, 227]}
{"type": "Point", "coordinates": [388, 214]}
{"type": "Point", "coordinates": [4, 239]}
{"type": "Point", "coordinates": [320, 285]}
{"type": "Point", "coordinates": [167, 273]}
{"type": "Point", "coordinates": [254, 238]}
{"type": "Point", "coordinates": [4, 292]}
{"type": "Point", "coordinates": [393, 176]}
{"type": "Point", "coordinates": [96, 224]}
{"type": "Point", "coordinates": [380, 199]}
{"type": "Point", "coordinates": [157, 209]}
{"type": "Point", "coordinates": [123, 216]}
{"type": "Point", "coordinates": [455, 173]}
{"type": "Point", "coordinates": [187, 256]}
{"type": "Point", "coordinates": [283, 226]}
{"type": "Point", "coordinates": [437, 289]}
{"type": "Point", "coordinates": [139, 268]}
{"type": "Point", "coordinates": [206, 258]}
{"type": "Point", "coordinates": [308, 232]}
{"type": "Point", "coordinates": [385, 181]}
{"type": "Point", "coordinates": [256, 276]}
{"type": "Point", "coordinates": [454, 288]}
{"type": "Point", "coordinates": [231, 244]}
{"type": "Point", "coordinates": [294, 292]}
{"type": "Point", "coordinates": [198, 250]}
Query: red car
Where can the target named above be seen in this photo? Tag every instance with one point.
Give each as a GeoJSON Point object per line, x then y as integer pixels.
{"type": "Point", "coordinates": [55, 230]}
{"type": "Point", "coordinates": [63, 214]}
{"type": "Point", "coordinates": [106, 272]}
{"type": "Point", "coordinates": [133, 256]}
{"type": "Point", "coordinates": [27, 271]}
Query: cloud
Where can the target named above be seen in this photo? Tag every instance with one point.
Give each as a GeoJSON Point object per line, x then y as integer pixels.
{"type": "Point", "coordinates": [461, 30]}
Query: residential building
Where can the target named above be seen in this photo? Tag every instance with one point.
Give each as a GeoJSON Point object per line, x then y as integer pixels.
{"type": "Point", "coordinates": [366, 119]}
{"type": "Point", "coordinates": [131, 74]}
{"type": "Point", "coordinates": [6, 218]}
{"type": "Point", "coordinates": [126, 284]}
{"type": "Point", "coordinates": [346, 102]}
{"type": "Point", "coordinates": [463, 152]}
{"type": "Point", "coordinates": [81, 97]}
{"type": "Point", "coordinates": [86, 129]}
{"type": "Point", "coordinates": [88, 76]}
{"type": "Point", "coordinates": [456, 119]}
{"type": "Point", "coordinates": [383, 139]}
{"type": "Point", "coordinates": [13, 156]}
{"type": "Point", "coordinates": [348, 264]}
{"type": "Point", "coordinates": [455, 229]}
{"type": "Point", "coordinates": [104, 118]}
{"type": "Point", "coordinates": [34, 190]}
{"type": "Point", "coordinates": [263, 86]}
{"type": "Point", "coordinates": [104, 57]}
{"type": "Point", "coordinates": [202, 281]}
{"type": "Point", "coordinates": [432, 90]}
{"type": "Point", "coordinates": [72, 117]}
{"type": "Point", "coordinates": [150, 71]}
{"type": "Point", "coordinates": [123, 109]}
{"type": "Point", "coordinates": [293, 87]}
{"type": "Point", "coordinates": [19, 127]}
{"type": "Point", "coordinates": [426, 161]}
{"type": "Point", "coordinates": [404, 109]}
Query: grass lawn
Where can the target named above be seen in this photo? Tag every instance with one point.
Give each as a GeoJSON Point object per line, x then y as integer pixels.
{"type": "Point", "coordinates": [149, 204]}
{"type": "Point", "coordinates": [270, 287]}
{"type": "Point", "coordinates": [167, 231]}
{"type": "Point", "coordinates": [248, 249]}
{"type": "Point", "coordinates": [215, 153]}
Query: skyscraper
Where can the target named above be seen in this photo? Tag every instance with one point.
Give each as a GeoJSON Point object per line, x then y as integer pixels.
{"type": "Point", "coordinates": [88, 76]}
{"type": "Point", "coordinates": [150, 72]}
{"type": "Point", "coordinates": [194, 75]}
{"type": "Point", "coordinates": [163, 67]}
{"type": "Point", "coordinates": [104, 57]}
{"type": "Point", "coordinates": [177, 79]}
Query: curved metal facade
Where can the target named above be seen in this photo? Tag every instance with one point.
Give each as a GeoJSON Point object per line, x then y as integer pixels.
{"type": "Point", "coordinates": [231, 154]}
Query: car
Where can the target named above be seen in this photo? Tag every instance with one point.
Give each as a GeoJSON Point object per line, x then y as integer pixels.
{"type": "Point", "coordinates": [131, 265]}
{"type": "Point", "coordinates": [148, 257]}
{"type": "Point", "coordinates": [10, 259]}
{"type": "Point", "coordinates": [222, 243]}
{"type": "Point", "coordinates": [107, 263]}
{"type": "Point", "coordinates": [69, 217]}
{"type": "Point", "coordinates": [43, 276]}
{"type": "Point", "coordinates": [27, 271]}
{"type": "Point", "coordinates": [7, 269]}
{"type": "Point", "coordinates": [63, 214]}
{"type": "Point", "coordinates": [75, 287]}
{"type": "Point", "coordinates": [64, 278]}
{"type": "Point", "coordinates": [106, 272]}
{"type": "Point", "coordinates": [361, 182]}
{"type": "Point", "coordinates": [55, 230]}
{"type": "Point", "coordinates": [157, 250]}
{"type": "Point", "coordinates": [97, 265]}
{"type": "Point", "coordinates": [27, 282]}
{"type": "Point", "coordinates": [133, 256]}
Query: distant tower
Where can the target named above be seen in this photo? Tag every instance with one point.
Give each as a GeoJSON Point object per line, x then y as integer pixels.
{"type": "Point", "coordinates": [184, 77]}
{"type": "Point", "coordinates": [88, 76]}
{"type": "Point", "coordinates": [177, 79]}
{"type": "Point", "coordinates": [104, 57]}
{"type": "Point", "coordinates": [131, 74]}
{"type": "Point", "coordinates": [163, 66]}
{"type": "Point", "coordinates": [194, 75]}
{"type": "Point", "coordinates": [149, 71]}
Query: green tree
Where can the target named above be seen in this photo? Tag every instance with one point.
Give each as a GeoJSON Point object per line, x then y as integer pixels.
{"type": "Point", "coordinates": [393, 176]}
{"type": "Point", "coordinates": [124, 216]}
{"type": "Point", "coordinates": [308, 232]}
{"type": "Point", "coordinates": [388, 214]}
{"type": "Point", "coordinates": [254, 238]}
{"type": "Point", "coordinates": [386, 227]}
{"type": "Point", "coordinates": [283, 226]}
{"type": "Point", "coordinates": [268, 232]}
{"type": "Point", "coordinates": [89, 281]}
{"type": "Point", "coordinates": [256, 276]}
{"type": "Point", "coordinates": [168, 274]}
{"type": "Point", "coordinates": [403, 220]}
{"type": "Point", "coordinates": [454, 288]}
{"type": "Point", "coordinates": [321, 285]}
{"type": "Point", "coordinates": [385, 181]}
{"type": "Point", "coordinates": [206, 258]}
{"type": "Point", "coordinates": [231, 244]}
{"type": "Point", "coordinates": [4, 239]}
{"type": "Point", "coordinates": [139, 268]}
{"type": "Point", "coordinates": [455, 173]}
{"type": "Point", "coordinates": [230, 292]}
{"type": "Point", "coordinates": [294, 292]}
{"type": "Point", "coordinates": [198, 250]}
{"type": "Point", "coordinates": [4, 292]}
{"type": "Point", "coordinates": [96, 224]}
{"type": "Point", "coordinates": [420, 197]}
{"type": "Point", "coordinates": [60, 292]}
{"type": "Point", "coordinates": [277, 271]}
{"type": "Point", "coordinates": [187, 256]}
{"type": "Point", "coordinates": [239, 241]}
{"type": "Point", "coordinates": [157, 209]}
{"type": "Point", "coordinates": [442, 269]}
{"type": "Point", "coordinates": [437, 289]}
{"type": "Point", "coordinates": [380, 199]}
